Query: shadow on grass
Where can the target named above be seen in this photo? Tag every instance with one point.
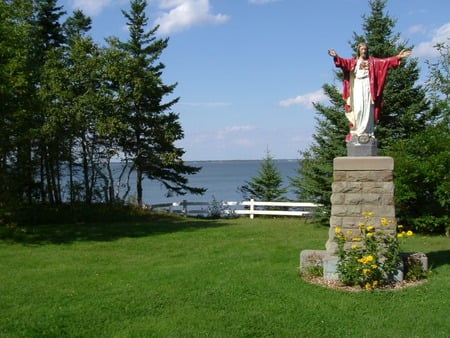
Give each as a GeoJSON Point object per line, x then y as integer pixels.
{"type": "Point", "coordinates": [438, 258]}
{"type": "Point", "coordinates": [67, 233]}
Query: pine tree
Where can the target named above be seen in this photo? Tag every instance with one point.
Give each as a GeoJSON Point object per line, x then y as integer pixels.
{"type": "Point", "coordinates": [404, 112]}
{"type": "Point", "coordinates": [267, 186]}
{"type": "Point", "coordinates": [152, 129]}
{"type": "Point", "coordinates": [315, 171]}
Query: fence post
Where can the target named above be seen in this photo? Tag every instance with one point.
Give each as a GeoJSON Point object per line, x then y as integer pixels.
{"type": "Point", "coordinates": [185, 208]}
{"type": "Point", "coordinates": [252, 208]}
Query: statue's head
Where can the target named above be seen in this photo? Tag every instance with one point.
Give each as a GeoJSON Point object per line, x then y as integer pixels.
{"type": "Point", "coordinates": [363, 50]}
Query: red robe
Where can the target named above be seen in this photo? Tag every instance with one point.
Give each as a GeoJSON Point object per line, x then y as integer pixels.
{"type": "Point", "coordinates": [378, 69]}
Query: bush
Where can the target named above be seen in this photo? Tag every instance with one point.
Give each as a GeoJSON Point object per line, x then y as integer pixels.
{"type": "Point", "coordinates": [370, 258]}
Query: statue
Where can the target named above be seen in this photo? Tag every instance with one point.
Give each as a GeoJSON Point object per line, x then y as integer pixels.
{"type": "Point", "coordinates": [364, 80]}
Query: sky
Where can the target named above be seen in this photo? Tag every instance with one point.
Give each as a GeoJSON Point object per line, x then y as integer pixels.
{"type": "Point", "coordinates": [247, 71]}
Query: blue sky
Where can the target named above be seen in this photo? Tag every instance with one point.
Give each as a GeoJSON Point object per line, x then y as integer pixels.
{"type": "Point", "coordinates": [248, 70]}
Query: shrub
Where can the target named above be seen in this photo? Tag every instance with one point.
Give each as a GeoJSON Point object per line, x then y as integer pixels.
{"type": "Point", "coordinates": [371, 257]}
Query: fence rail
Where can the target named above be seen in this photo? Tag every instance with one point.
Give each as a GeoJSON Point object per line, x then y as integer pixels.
{"type": "Point", "coordinates": [250, 208]}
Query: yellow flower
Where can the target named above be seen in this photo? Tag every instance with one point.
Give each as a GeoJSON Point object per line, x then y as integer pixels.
{"type": "Point", "coordinates": [362, 225]}
{"type": "Point", "coordinates": [374, 266]}
{"type": "Point", "coordinates": [400, 226]}
{"type": "Point", "coordinates": [368, 286]}
{"type": "Point", "coordinates": [369, 258]}
{"type": "Point", "coordinates": [400, 234]}
{"type": "Point", "coordinates": [356, 239]}
{"type": "Point", "coordinates": [354, 247]}
{"type": "Point", "coordinates": [370, 228]}
{"type": "Point", "coordinates": [349, 233]}
{"type": "Point", "coordinates": [370, 234]}
{"type": "Point", "coordinates": [409, 233]}
{"type": "Point", "coordinates": [337, 230]}
{"type": "Point", "coordinates": [384, 222]}
{"type": "Point", "coordinates": [375, 283]}
{"type": "Point", "coordinates": [366, 271]}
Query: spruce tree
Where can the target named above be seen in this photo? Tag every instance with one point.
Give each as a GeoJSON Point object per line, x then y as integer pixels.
{"type": "Point", "coordinates": [403, 113]}
{"type": "Point", "coordinates": [267, 186]}
{"type": "Point", "coordinates": [152, 128]}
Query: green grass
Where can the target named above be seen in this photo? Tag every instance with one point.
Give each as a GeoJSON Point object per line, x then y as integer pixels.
{"type": "Point", "coordinates": [181, 277]}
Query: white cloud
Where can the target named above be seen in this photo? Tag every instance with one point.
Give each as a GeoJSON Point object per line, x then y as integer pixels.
{"type": "Point", "coordinates": [306, 100]}
{"type": "Point", "coordinates": [182, 14]}
{"type": "Point", "coordinates": [234, 130]}
{"type": "Point", "coordinates": [417, 29]}
{"type": "Point", "coordinates": [426, 49]}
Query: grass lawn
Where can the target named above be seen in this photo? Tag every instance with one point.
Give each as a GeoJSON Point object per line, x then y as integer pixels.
{"type": "Point", "coordinates": [182, 277]}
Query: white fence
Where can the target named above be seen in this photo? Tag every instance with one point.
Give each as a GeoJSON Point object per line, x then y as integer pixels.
{"type": "Point", "coordinates": [250, 208]}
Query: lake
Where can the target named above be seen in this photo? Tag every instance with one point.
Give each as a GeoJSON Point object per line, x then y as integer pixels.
{"type": "Point", "coordinates": [222, 180]}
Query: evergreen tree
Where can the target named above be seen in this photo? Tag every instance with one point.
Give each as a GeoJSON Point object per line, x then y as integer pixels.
{"type": "Point", "coordinates": [404, 112]}
{"type": "Point", "coordinates": [315, 171]}
{"type": "Point", "coordinates": [151, 127]}
{"type": "Point", "coordinates": [14, 31]}
{"type": "Point", "coordinates": [422, 162]}
{"type": "Point", "coordinates": [267, 186]}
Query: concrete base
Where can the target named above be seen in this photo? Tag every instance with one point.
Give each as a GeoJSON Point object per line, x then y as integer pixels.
{"type": "Point", "coordinates": [362, 146]}
{"type": "Point", "coordinates": [314, 258]}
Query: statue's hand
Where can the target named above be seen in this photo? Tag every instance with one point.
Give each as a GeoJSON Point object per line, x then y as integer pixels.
{"type": "Point", "coordinates": [332, 52]}
{"type": "Point", "coordinates": [404, 54]}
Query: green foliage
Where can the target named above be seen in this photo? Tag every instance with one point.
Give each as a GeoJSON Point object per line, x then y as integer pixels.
{"type": "Point", "coordinates": [370, 256]}
{"type": "Point", "coordinates": [151, 128]}
{"type": "Point", "coordinates": [414, 270]}
{"type": "Point", "coordinates": [69, 106]}
{"type": "Point", "coordinates": [422, 183]}
{"type": "Point", "coordinates": [267, 186]}
{"type": "Point", "coordinates": [36, 215]}
{"type": "Point", "coordinates": [422, 162]}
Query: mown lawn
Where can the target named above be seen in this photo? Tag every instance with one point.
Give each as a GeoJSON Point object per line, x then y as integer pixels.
{"type": "Point", "coordinates": [181, 277]}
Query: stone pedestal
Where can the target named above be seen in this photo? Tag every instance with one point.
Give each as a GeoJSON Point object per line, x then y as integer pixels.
{"type": "Point", "coordinates": [361, 184]}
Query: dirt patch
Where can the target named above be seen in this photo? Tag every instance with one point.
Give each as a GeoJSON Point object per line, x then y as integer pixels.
{"type": "Point", "coordinates": [337, 285]}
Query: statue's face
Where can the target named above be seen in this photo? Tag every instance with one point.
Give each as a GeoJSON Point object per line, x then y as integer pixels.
{"type": "Point", "coordinates": [363, 52]}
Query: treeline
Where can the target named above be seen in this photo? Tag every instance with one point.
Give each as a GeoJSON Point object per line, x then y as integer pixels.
{"type": "Point", "coordinates": [70, 106]}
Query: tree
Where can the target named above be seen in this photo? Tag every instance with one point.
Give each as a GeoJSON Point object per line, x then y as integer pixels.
{"type": "Point", "coordinates": [14, 30]}
{"type": "Point", "coordinates": [405, 109]}
{"type": "Point", "coordinates": [148, 141]}
{"type": "Point", "coordinates": [267, 186]}
{"type": "Point", "coordinates": [422, 162]}
{"type": "Point", "coordinates": [315, 171]}
{"type": "Point", "coordinates": [404, 112]}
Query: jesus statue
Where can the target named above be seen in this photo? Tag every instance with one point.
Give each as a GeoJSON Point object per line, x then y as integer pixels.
{"type": "Point", "coordinates": [364, 80]}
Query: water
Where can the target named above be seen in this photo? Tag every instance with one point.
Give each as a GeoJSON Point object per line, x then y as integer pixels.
{"type": "Point", "coordinates": [222, 180]}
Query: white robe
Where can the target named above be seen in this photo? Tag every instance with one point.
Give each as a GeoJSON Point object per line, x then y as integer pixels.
{"type": "Point", "coordinates": [362, 114]}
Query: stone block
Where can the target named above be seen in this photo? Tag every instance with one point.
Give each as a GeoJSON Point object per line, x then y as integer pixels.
{"type": "Point", "coordinates": [330, 268]}
{"type": "Point", "coordinates": [417, 257]}
{"type": "Point", "coordinates": [346, 210]}
{"type": "Point", "coordinates": [311, 258]}
{"type": "Point", "coordinates": [378, 187]}
{"type": "Point", "coordinates": [364, 163]}
{"type": "Point", "coordinates": [346, 187]}
{"type": "Point", "coordinates": [337, 198]}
